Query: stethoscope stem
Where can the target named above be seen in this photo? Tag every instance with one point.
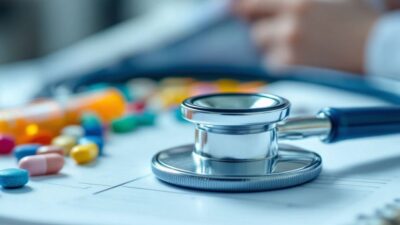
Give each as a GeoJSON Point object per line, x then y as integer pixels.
{"type": "Point", "coordinates": [337, 124]}
{"type": "Point", "coordinates": [304, 127]}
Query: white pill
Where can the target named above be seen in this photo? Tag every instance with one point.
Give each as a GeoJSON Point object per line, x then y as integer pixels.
{"type": "Point", "coordinates": [75, 131]}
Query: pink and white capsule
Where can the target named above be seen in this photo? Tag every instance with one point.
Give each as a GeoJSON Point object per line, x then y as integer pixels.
{"type": "Point", "coordinates": [42, 164]}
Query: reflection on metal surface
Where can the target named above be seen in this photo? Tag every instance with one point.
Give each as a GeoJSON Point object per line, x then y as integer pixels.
{"type": "Point", "coordinates": [180, 166]}
{"type": "Point", "coordinates": [236, 146]}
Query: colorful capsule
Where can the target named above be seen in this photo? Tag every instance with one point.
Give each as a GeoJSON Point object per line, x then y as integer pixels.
{"type": "Point", "coordinates": [34, 134]}
{"type": "Point", "coordinates": [92, 125]}
{"type": "Point", "coordinates": [227, 85]}
{"type": "Point", "coordinates": [254, 86]}
{"type": "Point", "coordinates": [90, 119]}
{"type": "Point", "coordinates": [66, 142]}
{"type": "Point", "coordinates": [136, 107]}
{"type": "Point", "coordinates": [38, 165]}
{"type": "Point", "coordinates": [142, 88]}
{"type": "Point", "coordinates": [124, 124]}
{"type": "Point", "coordinates": [75, 131]}
{"type": "Point", "coordinates": [147, 118]}
{"type": "Point", "coordinates": [201, 88]}
{"type": "Point", "coordinates": [85, 153]}
{"type": "Point", "coordinates": [13, 178]}
{"type": "Point", "coordinates": [174, 95]}
{"type": "Point", "coordinates": [99, 141]}
{"type": "Point", "coordinates": [43, 137]}
{"type": "Point", "coordinates": [50, 149]}
{"type": "Point", "coordinates": [7, 144]}
{"type": "Point", "coordinates": [22, 151]}
{"type": "Point", "coordinates": [155, 104]}
{"type": "Point", "coordinates": [94, 130]}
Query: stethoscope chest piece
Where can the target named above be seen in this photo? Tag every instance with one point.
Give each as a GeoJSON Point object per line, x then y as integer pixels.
{"type": "Point", "coordinates": [236, 147]}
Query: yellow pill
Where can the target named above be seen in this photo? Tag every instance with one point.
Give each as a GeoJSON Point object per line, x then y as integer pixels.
{"type": "Point", "coordinates": [84, 153]}
{"type": "Point", "coordinates": [66, 142]}
{"type": "Point", "coordinates": [227, 85]}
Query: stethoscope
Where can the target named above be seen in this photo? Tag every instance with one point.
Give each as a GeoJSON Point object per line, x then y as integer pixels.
{"type": "Point", "coordinates": [236, 142]}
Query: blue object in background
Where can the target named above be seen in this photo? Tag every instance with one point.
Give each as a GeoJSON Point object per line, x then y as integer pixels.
{"type": "Point", "coordinates": [25, 150]}
{"type": "Point", "coordinates": [93, 130]}
{"type": "Point", "coordinates": [92, 125]}
{"type": "Point", "coordinates": [349, 123]}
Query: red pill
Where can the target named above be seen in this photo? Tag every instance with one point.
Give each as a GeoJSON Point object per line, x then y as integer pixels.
{"type": "Point", "coordinates": [136, 107]}
{"type": "Point", "coordinates": [42, 137]}
{"type": "Point", "coordinates": [42, 164]}
{"type": "Point", "coordinates": [48, 149]}
{"type": "Point", "coordinates": [7, 144]}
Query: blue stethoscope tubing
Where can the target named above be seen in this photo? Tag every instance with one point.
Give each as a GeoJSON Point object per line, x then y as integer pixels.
{"type": "Point", "coordinates": [351, 123]}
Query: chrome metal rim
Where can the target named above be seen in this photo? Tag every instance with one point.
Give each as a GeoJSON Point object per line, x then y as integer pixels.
{"type": "Point", "coordinates": [292, 166]}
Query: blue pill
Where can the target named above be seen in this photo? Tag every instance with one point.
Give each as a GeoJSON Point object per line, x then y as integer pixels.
{"type": "Point", "coordinates": [93, 130]}
{"type": "Point", "coordinates": [25, 150]}
{"type": "Point", "coordinates": [98, 140]}
{"type": "Point", "coordinates": [147, 118]}
{"type": "Point", "coordinates": [13, 178]}
{"type": "Point", "coordinates": [92, 125]}
{"type": "Point", "coordinates": [90, 119]}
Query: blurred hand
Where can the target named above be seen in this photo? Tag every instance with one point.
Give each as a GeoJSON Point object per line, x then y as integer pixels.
{"type": "Point", "coordinates": [321, 33]}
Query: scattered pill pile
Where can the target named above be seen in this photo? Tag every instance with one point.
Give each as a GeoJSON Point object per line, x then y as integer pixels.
{"type": "Point", "coordinates": [43, 151]}
{"type": "Point", "coordinates": [83, 143]}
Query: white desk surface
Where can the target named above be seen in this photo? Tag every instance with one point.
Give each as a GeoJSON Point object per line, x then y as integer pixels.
{"type": "Point", "coordinates": [119, 188]}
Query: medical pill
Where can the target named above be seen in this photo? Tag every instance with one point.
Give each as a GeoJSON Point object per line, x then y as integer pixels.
{"type": "Point", "coordinates": [99, 141]}
{"type": "Point", "coordinates": [253, 86]}
{"type": "Point", "coordinates": [49, 149]}
{"type": "Point", "coordinates": [142, 88]}
{"type": "Point", "coordinates": [92, 125]}
{"type": "Point", "coordinates": [38, 165]}
{"type": "Point", "coordinates": [124, 124]}
{"type": "Point", "coordinates": [13, 178]}
{"type": "Point", "coordinates": [73, 131]}
{"type": "Point", "coordinates": [66, 142]}
{"type": "Point", "coordinates": [90, 119]}
{"type": "Point", "coordinates": [202, 88]}
{"type": "Point", "coordinates": [36, 134]}
{"type": "Point", "coordinates": [43, 137]}
{"type": "Point", "coordinates": [136, 107]}
{"type": "Point", "coordinates": [227, 85]}
{"type": "Point", "coordinates": [84, 153]}
{"type": "Point", "coordinates": [147, 118]}
{"type": "Point", "coordinates": [124, 90]}
{"type": "Point", "coordinates": [94, 130]}
{"type": "Point", "coordinates": [22, 151]}
{"type": "Point", "coordinates": [7, 144]}
{"type": "Point", "coordinates": [174, 95]}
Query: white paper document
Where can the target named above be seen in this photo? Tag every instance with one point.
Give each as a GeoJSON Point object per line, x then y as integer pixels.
{"type": "Point", "coordinates": [358, 177]}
